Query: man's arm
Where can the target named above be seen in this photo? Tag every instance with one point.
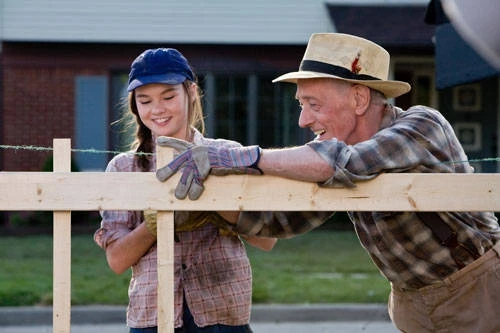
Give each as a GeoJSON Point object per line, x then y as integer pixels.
{"type": "Point", "coordinates": [260, 228]}
{"type": "Point", "coordinates": [279, 224]}
{"type": "Point", "coordinates": [300, 163]}
{"type": "Point", "coordinates": [197, 162]}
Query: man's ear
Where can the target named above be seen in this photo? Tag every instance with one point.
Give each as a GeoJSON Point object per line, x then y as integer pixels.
{"type": "Point", "coordinates": [361, 98]}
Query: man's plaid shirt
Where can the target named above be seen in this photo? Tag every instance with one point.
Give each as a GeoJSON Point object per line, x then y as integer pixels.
{"type": "Point", "coordinates": [399, 243]}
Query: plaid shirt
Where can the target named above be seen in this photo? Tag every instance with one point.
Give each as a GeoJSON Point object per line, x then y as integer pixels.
{"type": "Point", "coordinates": [402, 246]}
{"type": "Point", "coordinates": [211, 271]}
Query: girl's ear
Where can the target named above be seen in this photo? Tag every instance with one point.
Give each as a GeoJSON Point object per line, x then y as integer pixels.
{"type": "Point", "coordinates": [361, 98]}
{"type": "Point", "coordinates": [193, 92]}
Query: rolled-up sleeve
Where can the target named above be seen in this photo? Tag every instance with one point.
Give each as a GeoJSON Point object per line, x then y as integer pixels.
{"type": "Point", "coordinates": [114, 225]}
{"type": "Point", "coordinates": [280, 224]}
{"type": "Point", "coordinates": [338, 154]}
{"type": "Point", "coordinates": [408, 141]}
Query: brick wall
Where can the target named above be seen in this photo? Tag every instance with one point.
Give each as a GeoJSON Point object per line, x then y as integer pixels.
{"type": "Point", "coordinates": [38, 106]}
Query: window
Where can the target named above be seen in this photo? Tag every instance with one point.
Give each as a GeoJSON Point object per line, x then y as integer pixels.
{"type": "Point", "coordinates": [253, 110]}
{"type": "Point", "coordinates": [419, 73]}
{"type": "Point", "coordinates": [121, 133]}
{"type": "Point", "coordinates": [231, 109]}
{"type": "Point", "coordinates": [91, 102]}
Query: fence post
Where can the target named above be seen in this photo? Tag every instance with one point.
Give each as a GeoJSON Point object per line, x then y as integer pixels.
{"type": "Point", "coordinates": [165, 261]}
{"type": "Point", "coordinates": [61, 290]}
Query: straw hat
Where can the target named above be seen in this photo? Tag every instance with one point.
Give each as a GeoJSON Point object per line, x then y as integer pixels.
{"type": "Point", "coordinates": [348, 58]}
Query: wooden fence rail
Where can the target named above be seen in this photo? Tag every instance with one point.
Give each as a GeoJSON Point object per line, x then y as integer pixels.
{"type": "Point", "coordinates": [63, 191]}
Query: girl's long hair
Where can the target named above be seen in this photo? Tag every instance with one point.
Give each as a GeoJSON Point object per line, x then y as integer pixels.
{"type": "Point", "coordinates": [143, 143]}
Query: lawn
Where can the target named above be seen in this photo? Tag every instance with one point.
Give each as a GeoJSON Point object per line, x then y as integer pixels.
{"type": "Point", "coordinates": [319, 267]}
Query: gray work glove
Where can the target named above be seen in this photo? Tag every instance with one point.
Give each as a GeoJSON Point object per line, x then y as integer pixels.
{"type": "Point", "coordinates": [198, 161]}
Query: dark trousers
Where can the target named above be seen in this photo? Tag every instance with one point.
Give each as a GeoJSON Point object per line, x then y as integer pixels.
{"type": "Point", "coordinates": [190, 326]}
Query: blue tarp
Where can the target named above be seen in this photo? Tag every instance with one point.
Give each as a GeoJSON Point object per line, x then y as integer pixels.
{"type": "Point", "coordinates": [456, 62]}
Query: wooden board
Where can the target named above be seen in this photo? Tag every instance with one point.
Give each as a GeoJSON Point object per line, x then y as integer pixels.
{"type": "Point", "coordinates": [137, 191]}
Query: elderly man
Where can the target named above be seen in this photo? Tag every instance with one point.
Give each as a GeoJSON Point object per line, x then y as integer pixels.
{"type": "Point", "coordinates": [444, 268]}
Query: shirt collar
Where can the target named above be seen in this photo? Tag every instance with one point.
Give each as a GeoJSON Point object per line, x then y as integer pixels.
{"type": "Point", "coordinates": [391, 113]}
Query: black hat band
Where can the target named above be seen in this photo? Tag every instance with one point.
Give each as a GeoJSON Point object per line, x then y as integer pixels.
{"type": "Point", "coordinates": [322, 67]}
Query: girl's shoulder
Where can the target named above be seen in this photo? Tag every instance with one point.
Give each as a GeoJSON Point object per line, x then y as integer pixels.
{"type": "Point", "coordinates": [123, 162]}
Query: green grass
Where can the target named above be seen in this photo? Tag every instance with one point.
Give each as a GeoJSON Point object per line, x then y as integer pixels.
{"type": "Point", "coordinates": [319, 267]}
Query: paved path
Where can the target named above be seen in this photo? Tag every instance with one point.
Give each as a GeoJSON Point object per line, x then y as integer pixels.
{"type": "Point", "coordinates": [322, 327]}
{"type": "Point", "coordinates": [273, 318]}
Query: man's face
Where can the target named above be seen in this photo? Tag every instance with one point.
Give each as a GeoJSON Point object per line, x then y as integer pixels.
{"type": "Point", "coordinates": [327, 108]}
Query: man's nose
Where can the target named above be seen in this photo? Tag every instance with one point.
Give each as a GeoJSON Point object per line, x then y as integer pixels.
{"type": "Point", "coordinates": [305, 118]}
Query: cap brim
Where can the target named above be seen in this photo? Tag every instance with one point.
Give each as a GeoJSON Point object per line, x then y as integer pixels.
{"type": "Point", "coordinates": [389, 88]}
{"type": "Point", "coordinates": [170, 78]}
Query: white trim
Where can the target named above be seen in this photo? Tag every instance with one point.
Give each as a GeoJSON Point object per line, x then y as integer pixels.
{"type": "Point", "coordinates": [467, 97]}
{"type": "Point", "coordinates": [165, 21]}
{"type": "Point", "coordinates": [469, 134]}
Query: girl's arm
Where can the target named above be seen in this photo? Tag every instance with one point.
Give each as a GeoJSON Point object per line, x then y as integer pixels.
{"type": "Point", "coordinates": [126, 251]}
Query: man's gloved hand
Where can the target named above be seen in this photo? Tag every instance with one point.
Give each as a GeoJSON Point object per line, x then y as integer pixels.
{"type": "Point", "coordinates": [150, 220]}
{"type": "Point", "coordinates": [199, 161]}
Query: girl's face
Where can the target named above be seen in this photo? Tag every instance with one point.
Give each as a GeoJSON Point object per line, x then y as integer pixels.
{"type": "Point", "coordinates": [164, 108]}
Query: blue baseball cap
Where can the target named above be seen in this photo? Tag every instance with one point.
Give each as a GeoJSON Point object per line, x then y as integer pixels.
{"type": "Point", "coordinates": [163, 65]}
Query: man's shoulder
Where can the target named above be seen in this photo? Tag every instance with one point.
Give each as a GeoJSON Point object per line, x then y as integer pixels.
{"type": "Point", "coordinates": [421, 109]}
{"type": "Point", "coordinates": [424, 112]}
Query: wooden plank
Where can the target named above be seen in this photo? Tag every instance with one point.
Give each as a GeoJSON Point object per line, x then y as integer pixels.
{"type": "Point", "coordinates": [137, 191]}
{"type": "Point", "coordinates": [165, 248]}
{"type": "Point", "coordinates": [61, 290]}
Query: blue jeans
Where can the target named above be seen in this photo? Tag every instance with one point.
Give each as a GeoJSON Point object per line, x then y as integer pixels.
{"type": "Point", "coordinates": [190, 326]}
{"type": "Point", "coordinates": [207, 329]}
{"type": "Point", "coordinates": [144, 330]}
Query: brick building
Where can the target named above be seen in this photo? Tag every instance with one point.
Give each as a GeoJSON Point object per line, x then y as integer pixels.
{"type": "Point", "coordinates": [64, 65]}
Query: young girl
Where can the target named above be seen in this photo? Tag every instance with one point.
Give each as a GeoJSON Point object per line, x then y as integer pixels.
{"type": "Point", "coordinates": [213, 279]}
